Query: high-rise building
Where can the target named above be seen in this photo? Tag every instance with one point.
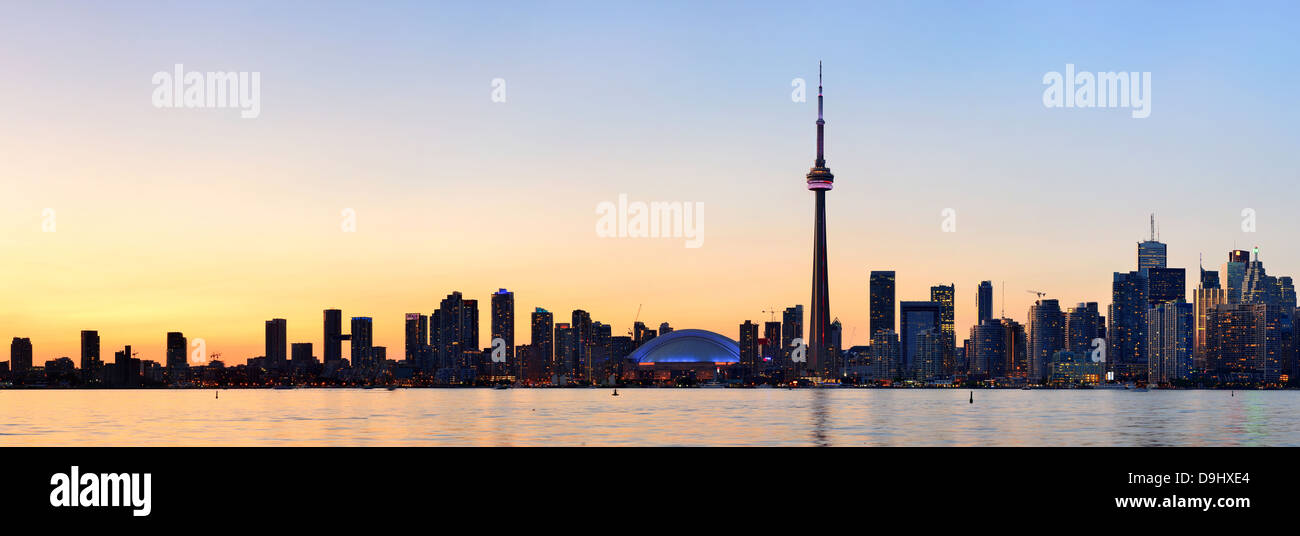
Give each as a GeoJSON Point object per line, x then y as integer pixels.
{"type": "Point", "coordinates": [664, 328]}
{"type": "Point", "coordinates": [945, 296]}
{"type": "Point", "coordinates": [791, 329]}
{"type": "Point", "coordinates": [928, 361]}
{"type": "Point", "coordinates": [417, 339]}
{"type": "Point", "coordinates": [1046, 336]}
{"type": "Point", "coordinates": [749, 357]}
{"type": "Point", "coordinates": [984, 302]}
{"type": "Point", "coordinates": [885, 355]}
{"type": "Point", "coordinates": [772, 349]}
{"type": "Point", "coordinates": [579, 361]}
{"type": "Point", "coordinates": [1233, 273]}
{"type": "Point", "coordinates": [820, 181]}
{"type": "Point", "coordinates": [1016, 364]}
{"type": "Point", "coordinates": [20, 357]}
{"type": "Point", "coordinates": [300, 355]}
{"type": "Point", "coordinates": [564, 344]}
{"type": "Point", "coordinates": [277, 344]}
{"type": "Point", "coordinates": [835, 347]}
{"type": "Point", "coordinates": [1170, 340]}
{"type": "Point", "coordinates": [1166, 285]}
{"type": "Point", "coordinates": [89, 350]}
{"type": "Point", "coordinates": [1126, 332]}
{"type": "Point", "coordinates": [457, 330]}
{"type": "Point", "coordinates": [882, 301]}
{"type": "Point", "coordinates": [177, 348]}
{"type": "Point", "coordinates": [915, 317]}
{"type": "Point", "coordinates": [1151, 253]}
{"type": "Point", "coordinates": [363, 341]}
{"type": "Point", "coordinates": [334, 337]}
{"type": "Point", "coordinates": [1248, 342]}
{"type": "Point", "coordinates": [1205, 300]}
{"type": "Point", "coordinates": [503, 327]}
{"type": "Point", "coordinates": [543, 344]}
{"type": "Point", "coordinates": [1081, 327]}
{"type": "Point", "coordinates": [986, 354]}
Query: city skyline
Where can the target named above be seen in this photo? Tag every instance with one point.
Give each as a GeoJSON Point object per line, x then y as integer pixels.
{"type": "Point", "coordinates": [224, 223]}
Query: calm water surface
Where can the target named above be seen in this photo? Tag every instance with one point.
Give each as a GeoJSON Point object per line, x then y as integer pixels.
{"type": "Point", "coordinates": [546, 417]}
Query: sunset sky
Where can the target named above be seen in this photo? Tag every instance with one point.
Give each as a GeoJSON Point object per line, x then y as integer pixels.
{"type": "Point", "coordinates": [199, 221]}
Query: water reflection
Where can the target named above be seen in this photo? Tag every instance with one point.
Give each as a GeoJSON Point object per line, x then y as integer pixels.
{"type": "Point", "coordinates": [547, 417]}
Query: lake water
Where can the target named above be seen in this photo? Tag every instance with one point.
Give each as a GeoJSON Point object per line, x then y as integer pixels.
{"type": "Point", "coordinates": [711, 417]}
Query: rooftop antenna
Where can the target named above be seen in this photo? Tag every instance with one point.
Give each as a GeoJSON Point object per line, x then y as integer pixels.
{"type": "Point", "coordinates": [1004, 298]}
{"type": "Point", "coordinates": [1153, 227]}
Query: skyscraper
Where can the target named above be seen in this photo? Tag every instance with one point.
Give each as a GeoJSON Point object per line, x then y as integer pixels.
{"type": "Point", "coordinates": [176, 352]}
{"type": "Point", "coordinates": [503, 326]}
{"type": "Point", "coordinates": [1151, 253]}
{"type": "Point", "coordinates": [1046, 336]}
{"type": "Point", "coordinates": [1126, 331]}
{"type": "Point", "coordinates": [564, 341]}
{"type": "Point", "coordinates": [543, 343]}
{"type": "Point", "coordinates": [89, 350]}
{"type": "Point", "coordinates": [791, 329]}
{"type": "Point", "coordinates": [1016, 340]}
{"type": "Point", "coordinates": [945, 296]}
{"type": "Point", "coordinates": [1170, 340]}
{"type": "Point", "coordinates": [277, 344]}
{"type": "Point", "coordinates": [457, 330]}
{"type": "Point", "coordinates": [1205, 300]}
{"type": "Point", "coordinates": [1233, 273]}
{"type": "Point", "coordinates": [417, 339]}
{"type": "Point", "coordinates": [820, 180]}
{"type": "Point", "coordinates": [749, 347]}
{"type": "Point", "coordinates": [984, 302]}
{"type": "Point", "coordinates": [1081, 326]}
{"type": "Point", "coordinates": [580, 358]}
{"type": "Point", "coordinates": [772, 352]}
{"type": "Point", "coordinates": [915, 317]}
{"type": "Point", "coordinates": [987, 352]}
{"type": "Point", "coordinates": [363, 332]}
{"type": "Point", "coordinates": [882, 301]}
{"type": "Point", "coordinates": [333, 338]}
{"type": "Point", "coordinates": [1166, 285]}
{"type": "Point", "coordinates": [20, 357]}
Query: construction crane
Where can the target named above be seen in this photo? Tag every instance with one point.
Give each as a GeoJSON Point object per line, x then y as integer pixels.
{"type": "Point", "coordinates": [631, 330]}
{"type": "Point", "coordinates": [771, 312]}
{"type": "Point", "coordinates": [1038, 292]}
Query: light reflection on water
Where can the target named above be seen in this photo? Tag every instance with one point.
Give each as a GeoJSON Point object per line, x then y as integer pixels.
{"type": "Point", "coordinates": [551, 417]}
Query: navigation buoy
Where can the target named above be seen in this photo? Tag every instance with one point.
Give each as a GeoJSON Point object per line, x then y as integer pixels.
{"type": "Point", "coordinates": [972, 397]}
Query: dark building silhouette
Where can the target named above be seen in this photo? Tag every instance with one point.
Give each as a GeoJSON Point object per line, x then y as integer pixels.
{"type": "Point", "coordinates": [300, 355]}
{"type": "Point", "coordinates": [882, 301]}
{"type": "Point", "coordinates": [334, 337]}
{"type": "Point", "coordinates": [277, 343]}
{"type": "Point", "coordinates": [579, 358]}
{"type": "Point", "coordinates": [1046, 336]}
{"type": "Point", "coordinates": [503, 327]}
{"type": "Point", "coordinates": [543, 345]}
{"type": "Point", "coordinates": [363, 341]}
{"type": "Point", "coordinates": [749, 357]}
{"type": "Point", "coordinates": [1126, 332]}
{"type": "Point", "coordinates": [417, 339]}
{"type": "Point", "coordinates": [915, 317]}
{"type": "Point", "coordinates": [176, 359]}
{"type": "Point", "coordinates": [20, 357]}
{"type": "Point", "coordinates": [90, 359]}
{"type": "Point", "coordinates": [945, 296]}
{"type": "Point", "coordinates": [984, 302]}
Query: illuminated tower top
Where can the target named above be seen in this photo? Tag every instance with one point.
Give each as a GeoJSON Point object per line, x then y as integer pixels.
{"type": "Point", "coordinates": [820, 177]}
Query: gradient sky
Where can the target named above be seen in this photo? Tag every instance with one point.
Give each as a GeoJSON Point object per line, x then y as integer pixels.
{"type": "Point", "coordinates": [202, 222]}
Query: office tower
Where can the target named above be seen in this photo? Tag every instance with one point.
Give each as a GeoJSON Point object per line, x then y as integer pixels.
{"type": "Point", "coordinates": [1286, 296]}
{"type": "Point", "coordinates": [543, 343]}
{"type": "Point", "coordinates": [417, 336]}
{"type": "Point", "coordinates": [1209, 278]}
{"type": "Point", "coordinates": [564, 349]}
{"type": "Point", "coordinates": [378, 354]}
{"type": "Point", "coordinates": [1257, 286]}
{"type": "Point", "coordinates": [503, 328]}
{"type": "Point", "coordinates": [885, 354]}
{"type": "Point", "coordinates": [362, 341]}
{"type": "Point", "coordinates": [127, 368]}
{"type": "Point", "coordinates": [1151, 253]}
{"type": "Point", "coordinates": [599, 351]}
{"type": "Point", "coordinates": [620, 348]}
{"type": "Point", "coordinates": [1248, 342]}
{"type": "Point", "coordinates": [300, 355]}
{"type": "Point", "coordinates": [177, 348]}
{"type": "Point", "coordinates": [915, 317]}
{"type": "Point", "coordinates": [1126, 331]}
{"type": "Point", "coordinates": [984, 302]}
{"type": "Point", "coordinates": [333, 338]}
{"type": "Point", "coordinates": [580, 359]}
{"type": "Point", "coordinates": [89, 350]}
{"type": "Point", "coordinates": [503, 322]}
{"type": "Point", "coordinates": [791, 329]}
{"type": "Point", "coordinates": [772, 345]}
{"type": "Point", "coordinates": [928, 361]}
{"type": "Point", "coordinates": [457, 330]}
{"type": "Point", "coordinates": [664, 328]}
{"type": "Point", "coordinates": [820, 181]}
{"type": "Point", "coordinates": [882, 301]}
{"type": "Point", "coordinates": [945, 296]}
{"type": "Point", "coordinates": [1046, 336]}
{"type": "Point", "coordinates": [1205, 300]}
{"type": "Point", "coordinates": [1081, 327]}
{"type": "Point", "coordinates": [20, 357]}
{"type": "Point", "coordinates": [1166, 285]}
{"type": "Point", "coordinates": [1016, 341]}
{"type": "Point", "coordinates": [835, 347]}
{"type": "Point", "coordinates": [277, 343]}
{"type": "Point", "coordinates": [1170, 339]}
{"type": "Point", "coordinates": [987, 350]}
{"type": "Point", "coordinates": [749, 347]}
{"type": "Point", "coordinates": [1233, 273]}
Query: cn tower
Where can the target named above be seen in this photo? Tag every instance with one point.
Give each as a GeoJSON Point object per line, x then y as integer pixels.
{"type": "Point", "coordinates": [820, 180]}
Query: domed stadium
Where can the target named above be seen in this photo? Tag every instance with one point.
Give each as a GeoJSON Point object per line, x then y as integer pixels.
{"type": "Point", "coordinates": [696, 352]}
